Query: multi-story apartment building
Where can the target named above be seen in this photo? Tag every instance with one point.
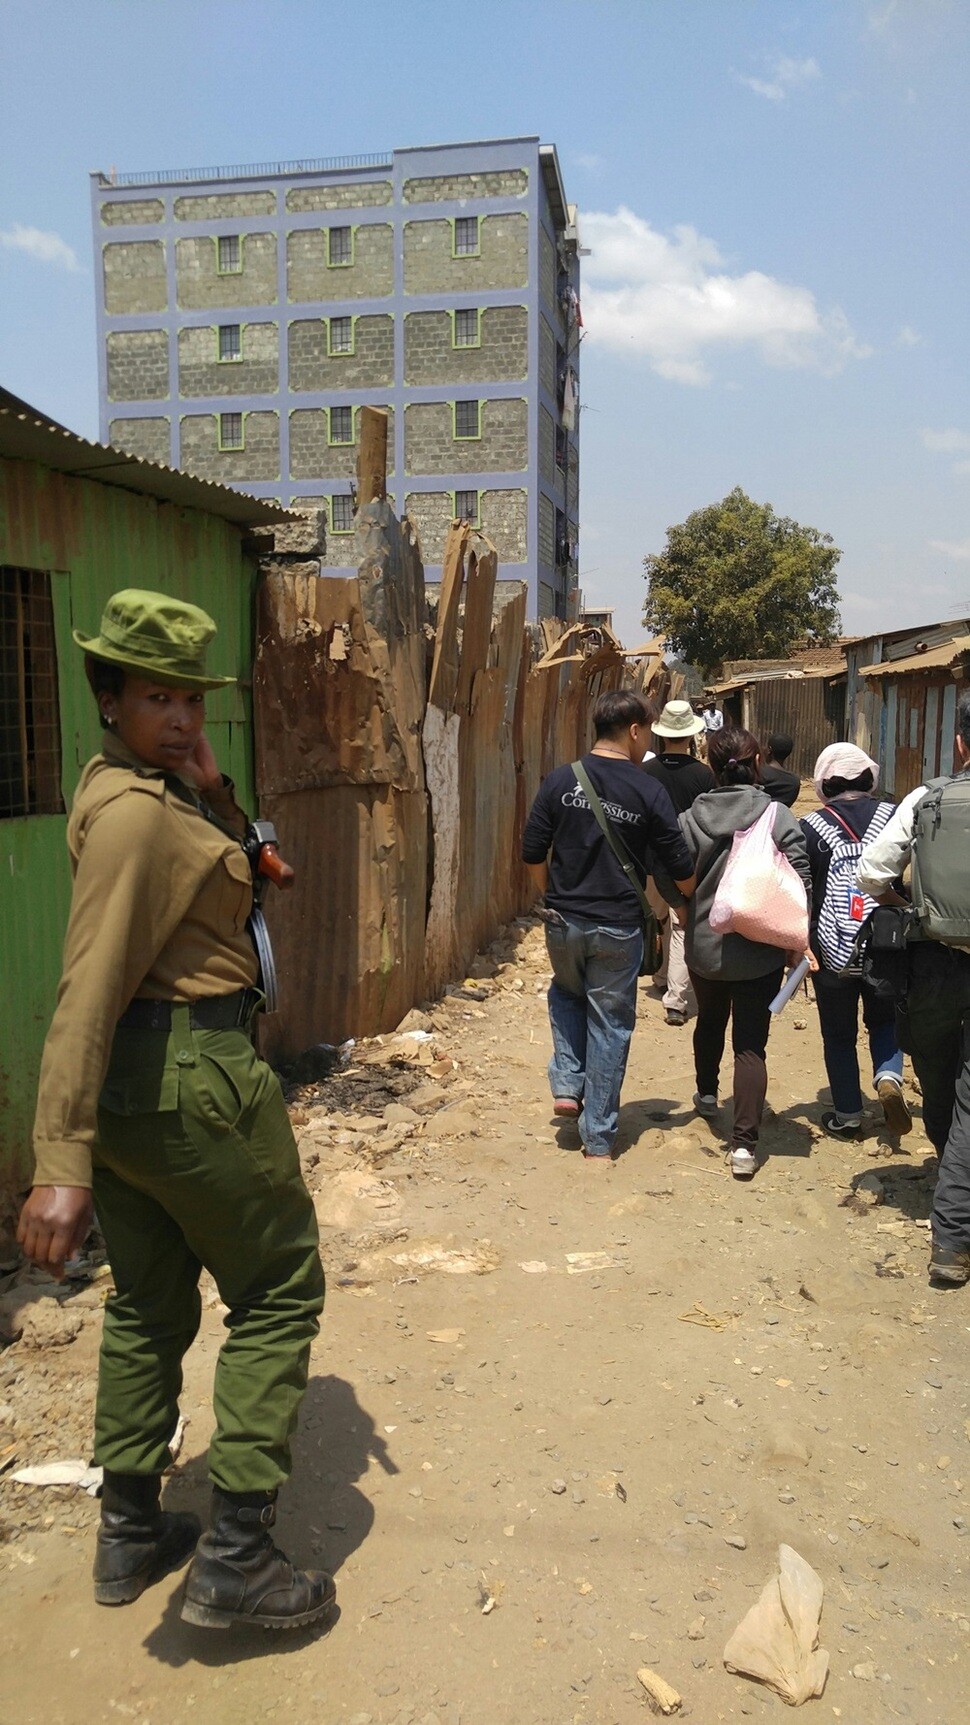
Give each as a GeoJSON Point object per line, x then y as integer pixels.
{"type": "Point", "coordinates": [246, 314]}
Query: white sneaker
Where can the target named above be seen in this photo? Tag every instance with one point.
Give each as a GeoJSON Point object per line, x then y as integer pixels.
{"type": "Point", "coordinates": [706, 1105]}
{"type": "Point", "coordinates": [743, 1163]}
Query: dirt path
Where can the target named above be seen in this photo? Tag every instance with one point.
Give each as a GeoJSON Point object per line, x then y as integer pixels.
{"type": "Point", "coordinates": [533, 1471]}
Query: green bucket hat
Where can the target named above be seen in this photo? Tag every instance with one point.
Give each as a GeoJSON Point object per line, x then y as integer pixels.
{"type": "Point", "coordinates": [157, 637]}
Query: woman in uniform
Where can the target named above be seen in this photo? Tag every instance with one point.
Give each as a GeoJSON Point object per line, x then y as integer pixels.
{"type": "Point", "coordinates": [154, 1108]}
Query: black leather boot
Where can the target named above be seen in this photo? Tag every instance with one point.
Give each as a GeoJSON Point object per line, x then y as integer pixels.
{"type": "Point", "coordinates": [239, 1576]}
{"type": "Point", "coordinates": [138, 1543]}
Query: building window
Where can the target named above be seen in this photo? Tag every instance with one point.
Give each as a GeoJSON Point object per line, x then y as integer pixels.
{"type": "Point", "coordinates": [30, 727]}
{"type": "Point", "coordinates": [560, 448]}
{"type": "Point", "coordinates": [341, 425]}
{"type": "Point", "coordinates": [467, 328]}
{"type": "Point", "coordinates": [466, 506]}
{"type": "Point", "coordinates": [466, 237]}
{"type": "Point", "coordinates": [340, 335]}
{"type": "Point", "coordinates": [342, 514]}
{"type": "Point", "coordinates": [340, 247]}
{"type": "Point", "coordinates": [230, 341]}
{"type": "Point", "coordinates": [230, 254]}
{"type": "Point", "coordinates": [231, 434]}
{"type": "Point", "coordinates": [468, 419]}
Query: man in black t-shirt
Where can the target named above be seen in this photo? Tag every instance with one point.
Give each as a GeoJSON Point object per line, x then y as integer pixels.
{"type": "Point", "coordinates": [683, 777]}
{"type": "Point", "coordinates": [594, 927]}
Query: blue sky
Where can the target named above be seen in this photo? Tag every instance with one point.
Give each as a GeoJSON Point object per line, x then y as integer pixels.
{"type": "Point", "coordinates": [774, 193]}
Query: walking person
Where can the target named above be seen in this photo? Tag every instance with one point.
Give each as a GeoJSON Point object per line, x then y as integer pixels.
{"type": "Point", "coordinates": [153, 1101]}
{"type": "Point", "coordinates": [593, 917]}
{"type": "Point", "coordinates": [851, 816]}
{"type": "Point", "coordinates": [683, 777]}
{"type": "Point", "coordinates": [781, 785]}
{"type": "Point", "coordinates": [931, 830]}
{"type": "Point", "coordinates": [734, 979]}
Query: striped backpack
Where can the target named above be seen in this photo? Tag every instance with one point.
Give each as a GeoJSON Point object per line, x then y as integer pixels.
{"type": "Point", "coordinates": [844, 908]}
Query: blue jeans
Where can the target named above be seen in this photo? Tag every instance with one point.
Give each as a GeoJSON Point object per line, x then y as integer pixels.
{"type": "Point", "coordinates": [592, 1011]}
{"type": "Point", "coordinates": [838, 999]}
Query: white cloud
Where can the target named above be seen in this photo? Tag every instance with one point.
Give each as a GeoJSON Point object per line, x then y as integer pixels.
{"type": "Point", "coordinates": [669, 300]}
{"type": "Point", "coordinates": [907, 336]}
{"type": "Point", "coordinates": [592, 163]}
{"type": "Point", "coordinates": [948, 442]}
{"type": "Point", "coordinates": [41, 245]}
{"type": "Point", "coordinates": [959, 550]}
{"type": "Point", "coordinates": [784, 75]}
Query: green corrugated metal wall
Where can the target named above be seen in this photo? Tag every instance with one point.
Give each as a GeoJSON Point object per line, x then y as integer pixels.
{"type": "Point", "coordinates": [94, 539]}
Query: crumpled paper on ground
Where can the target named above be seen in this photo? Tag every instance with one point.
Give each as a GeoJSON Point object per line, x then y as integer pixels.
{"type": "Point", "coordinates": [777, 1642]}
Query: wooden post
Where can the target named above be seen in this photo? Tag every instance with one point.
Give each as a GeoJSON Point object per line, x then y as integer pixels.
{"type": "Point", "coordinates": [372, 456]}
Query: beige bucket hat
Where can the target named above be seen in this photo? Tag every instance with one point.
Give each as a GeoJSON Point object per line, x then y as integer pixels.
{"type": "Point", "coordinates": [678, 720]}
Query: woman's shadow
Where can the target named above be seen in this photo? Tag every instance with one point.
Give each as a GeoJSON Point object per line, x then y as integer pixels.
{"type": "Point", "coordinates": [323, 1518]}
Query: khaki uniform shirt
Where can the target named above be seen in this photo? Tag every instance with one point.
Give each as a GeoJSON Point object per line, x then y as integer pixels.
{"type": "Point", "coordinates": [159, 909]}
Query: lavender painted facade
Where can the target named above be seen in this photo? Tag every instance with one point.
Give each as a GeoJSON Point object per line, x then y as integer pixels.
{"type": "Point", "coordinates": [400, 275]}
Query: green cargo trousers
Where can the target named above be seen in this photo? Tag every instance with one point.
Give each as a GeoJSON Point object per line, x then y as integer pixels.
{"type": "Point", "coordinates": [196, 1165]}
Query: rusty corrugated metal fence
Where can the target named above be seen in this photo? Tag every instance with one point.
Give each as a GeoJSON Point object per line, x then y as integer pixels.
{"type": "Point", "coordinates": [399, 768]}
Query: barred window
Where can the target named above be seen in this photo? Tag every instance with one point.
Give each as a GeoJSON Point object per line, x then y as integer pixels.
{"type": "Point", "coordinates": [467, 419]}
{"type": "Point", "coordinates": [231, 431]}
{"type": "Point", "coordinates": [30, 728]}
{"type": "Point", "coordinates": [466, 328]}
{"type": "Point", "coordinates": [560, 447]}
{"type": "Point", "coordinates": [340, 246]}
{"type": "Point", "coordinates": [341, 425]}
{"type": "Point", "coordinates": [230, 341]}
{"type": "Point", "coordinates": [342, 514]}
{"type": "Point", "coordinates": [466, 236]}
{"type": "Point", "coordinates": [230, 255]}
{"type": "Point", "coordinates": [341, 335]}
{"type": "Point", "coordinates": [466, 506]}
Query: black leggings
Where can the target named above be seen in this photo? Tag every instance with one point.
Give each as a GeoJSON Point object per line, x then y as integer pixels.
{"type": "Point", "coordinates": [746, 1004]}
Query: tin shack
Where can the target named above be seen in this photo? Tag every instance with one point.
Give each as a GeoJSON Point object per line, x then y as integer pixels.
{"type": "Point", "coordinates": [79, 520]}
{"type": "Point", "coordinates": [901, 699]}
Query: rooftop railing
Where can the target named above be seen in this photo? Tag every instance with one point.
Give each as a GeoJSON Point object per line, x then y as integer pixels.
{"type": "Point", "coordinates": [252, 171]}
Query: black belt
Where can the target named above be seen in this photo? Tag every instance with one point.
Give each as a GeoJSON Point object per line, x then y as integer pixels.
{"type": "Point", "coordinates": [221, 1012]}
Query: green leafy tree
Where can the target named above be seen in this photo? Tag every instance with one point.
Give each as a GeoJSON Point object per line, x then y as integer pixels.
{"type": "Point", "coordinates": [738, 581]}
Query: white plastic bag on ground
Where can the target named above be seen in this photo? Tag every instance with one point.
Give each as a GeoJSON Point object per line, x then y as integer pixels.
{"type": "Point", "coordinates": [777, 1642]}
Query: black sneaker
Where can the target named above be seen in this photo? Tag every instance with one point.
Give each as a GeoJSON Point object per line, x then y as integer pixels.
{"type": "Point", "coordinates": [837, 1128]}
{"type": "Point", "coordinates": [673, 1016]}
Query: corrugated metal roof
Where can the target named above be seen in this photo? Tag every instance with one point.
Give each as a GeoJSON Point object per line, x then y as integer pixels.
{"type": "Point", "coordinates": [24, 437]}
{"type": "Point", "coordinates": [779, 674]}
{"type": "Point", "coordinates": [934, 659]}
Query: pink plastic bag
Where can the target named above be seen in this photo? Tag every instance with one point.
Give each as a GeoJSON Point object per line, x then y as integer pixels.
{"type": "Point", "coordinates": [760, 895]}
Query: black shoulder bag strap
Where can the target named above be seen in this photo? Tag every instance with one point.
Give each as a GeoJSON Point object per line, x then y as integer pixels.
{"type": "Point", "coordinates": [652, 943]}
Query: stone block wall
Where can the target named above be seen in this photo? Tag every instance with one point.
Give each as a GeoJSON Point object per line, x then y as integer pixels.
{"type": "Point", "coordinates": [137, 365]}
{"type": "Point", "coordinates": [339, 550]}
{"type": "Point", "coordinates": [503, 355]}
{"type": "Point", "coordinates": [502, 518]}
{"type": "Point", "coordinates": [134, 276]}
{"type": "Point", "coordinates": [313, 457]}
{"type": "Point", "coordinates": [132, 212]}
{"type": "Point", "coordinates": [367, 194]}
{"type": "Point", "coordinates": [372, 362]}
{"type": "Point", "coordinates": [200, 286]}
{"type": "Point", "coordinates": [370, 276]}
{"type": "Point", "coordinates": [149, 438]}
{"type": "Point", "coordinates": [430, 445]}
{"type": "Point", "coordinates": [547, 530]}
{"type": "Point", "coordinates": [201, 372]}
{"type": "Point", "coordinates": [547, 448]}
{"type": "Point", "coordinates": [260, 459]}
{"type": "Point", "coordinates": [547, 357]}
{"type": "Point", "coordinates": [548, 269]}
{"type": "Point", "coordinates": [452, 188]}
{"type": "Point", "coordinates": [215, 206]}
{"type": "Point", "coordinates": [503, 259]}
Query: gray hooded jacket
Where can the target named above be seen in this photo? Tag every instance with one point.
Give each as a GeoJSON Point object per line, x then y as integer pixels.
{"type": "Point", "coordinates": [709, 826]}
